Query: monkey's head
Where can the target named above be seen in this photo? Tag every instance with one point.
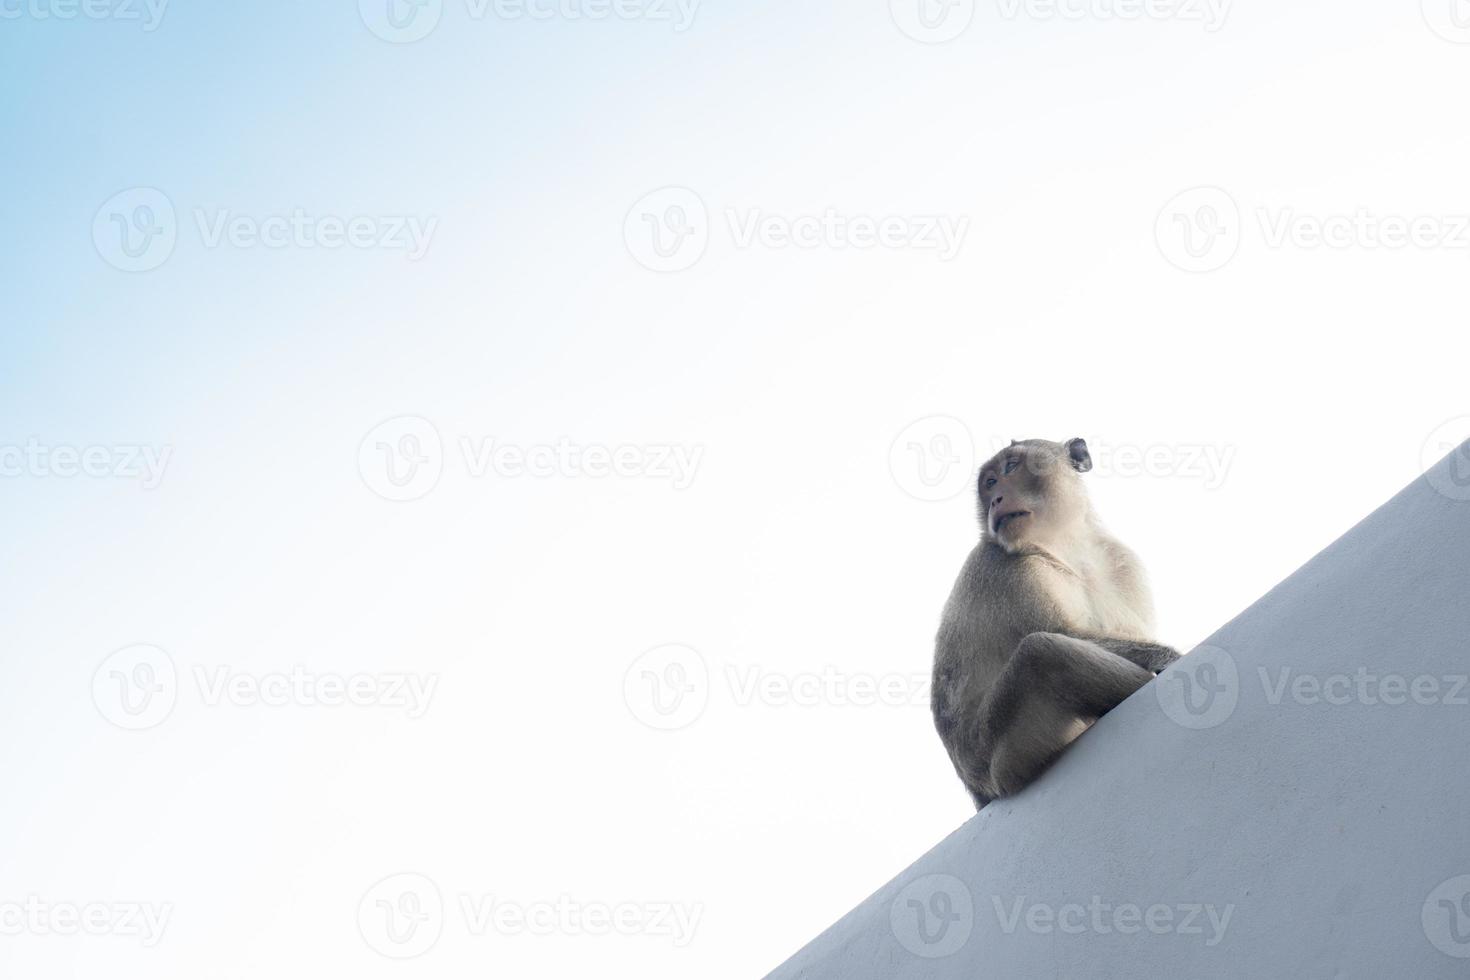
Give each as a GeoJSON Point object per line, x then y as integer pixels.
{"type": "Point", "coordinates": [1031, 492]}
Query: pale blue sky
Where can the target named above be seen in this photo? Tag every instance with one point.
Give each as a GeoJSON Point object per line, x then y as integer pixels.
{"type": "Point", "coordinates": [521, 149]}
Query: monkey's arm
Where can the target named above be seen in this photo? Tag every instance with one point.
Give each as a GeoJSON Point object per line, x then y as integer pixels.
{"type": "Point", "coordinates": [1045, 615]}
{"type": "Point", "coordinates": [1150, 656]}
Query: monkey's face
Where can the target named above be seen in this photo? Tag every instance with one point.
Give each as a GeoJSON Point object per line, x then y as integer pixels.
{"type": "Point", "coordinates": [1031, 492]}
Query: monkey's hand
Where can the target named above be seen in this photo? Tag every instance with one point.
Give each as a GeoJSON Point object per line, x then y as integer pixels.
{"type": "Point", "coordinates": [1153, 657]}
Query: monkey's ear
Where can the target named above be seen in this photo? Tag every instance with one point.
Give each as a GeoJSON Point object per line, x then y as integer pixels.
{"type": "Point", "coordinates": [1078, 454]}
{"type": "Point", "coordinates": [1014, 442]}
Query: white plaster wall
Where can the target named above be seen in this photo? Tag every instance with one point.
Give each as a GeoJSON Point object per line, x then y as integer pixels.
{"type": "Point", "coordinates": [1307, 828]}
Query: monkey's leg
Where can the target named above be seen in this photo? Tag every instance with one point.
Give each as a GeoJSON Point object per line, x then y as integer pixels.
{"type": "Point", "coordinates": [1150, 656]}
{"type": "Point", "coordinates": [1050, 691]}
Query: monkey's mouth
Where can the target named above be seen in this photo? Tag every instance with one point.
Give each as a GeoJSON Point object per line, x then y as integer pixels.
{"type": "Point", "coordinates": [1001, 520]}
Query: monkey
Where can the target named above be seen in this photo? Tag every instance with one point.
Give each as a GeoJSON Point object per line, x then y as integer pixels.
{"type": "Point", "coordinates": [1049, 625]}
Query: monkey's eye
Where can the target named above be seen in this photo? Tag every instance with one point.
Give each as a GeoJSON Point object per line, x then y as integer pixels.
{"type": "Point", "coordinates": [1011, 464]}
{"type": "Point", "coordinates": [989, 482]}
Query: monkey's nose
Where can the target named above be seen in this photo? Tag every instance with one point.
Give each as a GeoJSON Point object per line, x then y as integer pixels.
{"type": "Point", "coordinates": [995, 502]}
